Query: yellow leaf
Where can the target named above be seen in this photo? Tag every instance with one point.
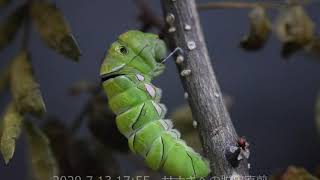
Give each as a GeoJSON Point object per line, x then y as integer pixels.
{"type": "Point", "coordinates": [11, 130]}
{"type": "Point", "coordinates": [9, 28]}
{"type": "Point", "coordinates": [54, 30]}
{"type": "Point", "coordinates": [294, 29]}
{"type": "Point", "coordinates": [43, 163]}
{"type": "Point", "coordinates": [260, 27]}
{"type": "Point", "coordinates": [24, 88]}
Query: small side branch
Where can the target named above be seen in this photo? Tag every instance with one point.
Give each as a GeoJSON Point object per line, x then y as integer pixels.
{"type": "Point", "coordinates": [26, 34]}
{"type": "Point", "coordinates": [27, 27]}
{"type": "Point", "coordinates": [216, 129]}
{"type": "Point", "coordinates": [148, 18]}
{"type": "Point", "coordinates": [250, 5]}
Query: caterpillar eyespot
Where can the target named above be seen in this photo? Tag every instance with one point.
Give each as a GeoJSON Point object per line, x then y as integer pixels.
{"type": "Point", "coordinates": [123, 50]}
{"type": "Point", "coordinates": [136, 102]}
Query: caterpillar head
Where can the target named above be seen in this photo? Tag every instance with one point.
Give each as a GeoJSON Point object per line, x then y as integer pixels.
{"type": "Point", "coordinates": [134, 52]}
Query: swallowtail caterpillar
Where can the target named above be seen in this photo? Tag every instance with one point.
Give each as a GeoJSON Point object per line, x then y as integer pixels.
{"type": "Point", "coordinates": [127, 70]}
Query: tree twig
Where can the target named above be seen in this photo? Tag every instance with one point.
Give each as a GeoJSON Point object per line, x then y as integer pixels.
{"type": "Point", "coordinates": [249, 5]}
{"type": "Point", "coordinates": [26, 27]}
{"type": "Point", "coordinates": [148, 18]}
{"type": "Point", "coordinates": [234, 5]}
{"type": "Point", "coordinates": [77, 122]}
{"type": "Point", "coordinates": [216, 129]}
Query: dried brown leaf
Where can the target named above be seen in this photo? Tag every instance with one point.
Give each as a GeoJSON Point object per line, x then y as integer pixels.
{"type": "Point", "coordinates": [313, 48]}
{"type": "Point", "coordinates": [9, 28]}
{"type": "Point", "coordinates": [294, 28]}
{"type": "Point", "coordinates": [101, 123]}
{"type": "Point", "coordinates": [43, 163]}
{"type": "Point", "coordinates": [4, 2]}
{"type": "Point", "coordinates": [182, 118]}
{"type": "Point", "coordinates": [317, 171]}
{"type": "Point", "coordinates": [260, 28]}
{"type": "Point", "coordinates": [183, 121]}
{"type": "Point", "coordinates": [294, 173]}
{"type": "Point", "coordinates": [317, 113]}
{"type": "Point", "coordinates": [11, 130]}
{"type": "Point", "coordinates": [60, 139]}
{"type": "Point", "coordinates": [83, 87]}
{"type": "Point", "coordinates": [1, 128]}
{"type": "Point", "coordinates": [24, 88]}
{"type": "Point", "coordinates": [4, 78]}
{"type": "Point", "coordinates": [54, 30]}
{"type": "Point", "coordinates": [290, 48]}
{"type": "Point", "coordinates": [147, 16]}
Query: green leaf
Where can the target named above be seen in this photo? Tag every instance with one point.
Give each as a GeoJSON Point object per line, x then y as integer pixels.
{"type": "Point", "coordinates": [54, 30]}
{"type": "Point", "coordinates": [24, 88]}
{"type": "Point", "coordinates": [43, 163]}
{"type": "Point", "coordinates": [294, 28]}
{"type": "Point", "coordinates": [12, 122]}
{"type": "Point", "coordinates": [9, 28]}
{"type": "Point", "coordinates": [260, 28]}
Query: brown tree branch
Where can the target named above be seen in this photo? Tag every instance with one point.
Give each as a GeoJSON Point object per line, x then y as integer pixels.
{"type": "Point", "coordinates": [216, 129]}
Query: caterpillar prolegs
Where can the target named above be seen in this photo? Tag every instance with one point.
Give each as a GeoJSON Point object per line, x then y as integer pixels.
{"type": "Point", "coordinates": [127, 70]}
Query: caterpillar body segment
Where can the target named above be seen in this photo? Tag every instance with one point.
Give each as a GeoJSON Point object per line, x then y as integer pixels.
{"type": "Point", "coordinates": [127, 70]}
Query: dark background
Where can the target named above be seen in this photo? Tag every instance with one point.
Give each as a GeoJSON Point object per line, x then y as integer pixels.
{"type": "Point", "coordinates": [273, 99]}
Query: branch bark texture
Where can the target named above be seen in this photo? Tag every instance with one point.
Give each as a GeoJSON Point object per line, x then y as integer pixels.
{"type": "Point", "coordinates": [216, 129]}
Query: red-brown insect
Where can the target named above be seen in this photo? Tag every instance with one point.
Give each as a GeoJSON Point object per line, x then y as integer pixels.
{"type": "Point", "coordinates": [242, 143]}
{"type": "Point", "coordinates": [244, 148]}
{"type": "Point", "coordinates": [238, 152]}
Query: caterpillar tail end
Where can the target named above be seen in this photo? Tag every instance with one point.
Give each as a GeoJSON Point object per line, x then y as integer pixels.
{"type": "Point", "coordinates": [178, 160]}
{"type": "Point", "coordinates": [192, 163]}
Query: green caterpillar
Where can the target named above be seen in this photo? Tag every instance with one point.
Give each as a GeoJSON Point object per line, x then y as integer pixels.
{"type": "Point", "coordinates": [127, 70]}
